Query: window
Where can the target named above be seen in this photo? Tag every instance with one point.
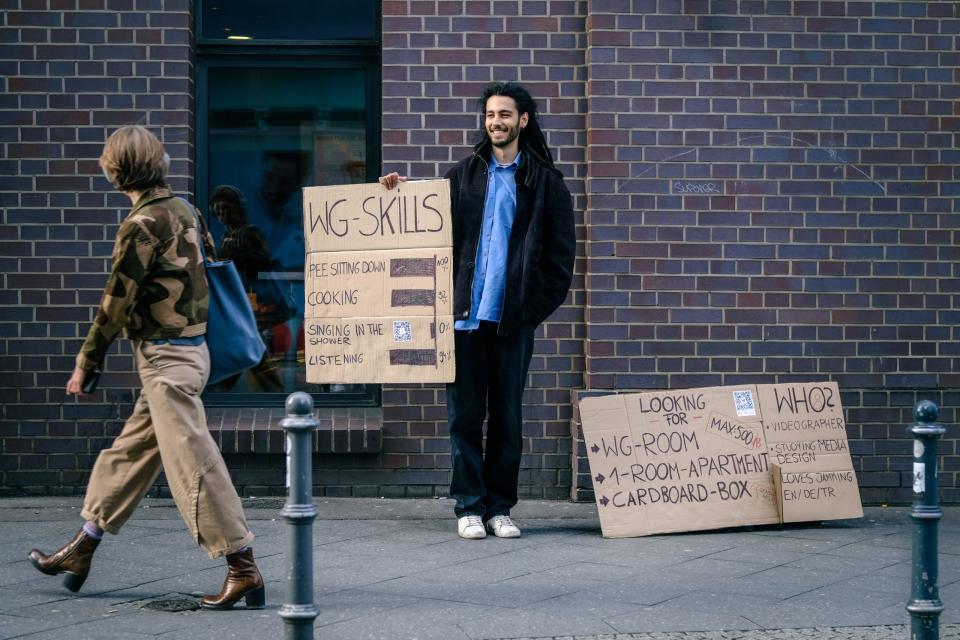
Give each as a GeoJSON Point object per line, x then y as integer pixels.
{"type": "Point", "coordinates": [267, 125]}
{"type": "Point", "coordinates": [244, 21]}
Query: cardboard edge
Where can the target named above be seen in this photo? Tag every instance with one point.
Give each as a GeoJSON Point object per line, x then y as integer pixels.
{"type": "Point", "coordinates": [776, 471]}
{"type": "Point", "coordinates": [759, 522]}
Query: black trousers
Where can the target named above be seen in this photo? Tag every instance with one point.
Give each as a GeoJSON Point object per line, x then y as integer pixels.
{"type": "Point", "coordinates": [491, 376]}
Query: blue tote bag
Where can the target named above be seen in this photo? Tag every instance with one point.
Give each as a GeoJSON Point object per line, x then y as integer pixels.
{"type": "Point", "coordinates": [233, 340]}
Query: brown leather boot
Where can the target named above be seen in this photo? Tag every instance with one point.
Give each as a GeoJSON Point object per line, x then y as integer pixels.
{"type": "Point", "coordinates": [243, 581]}
{"type": "Point", "coordinates": [73, 560]}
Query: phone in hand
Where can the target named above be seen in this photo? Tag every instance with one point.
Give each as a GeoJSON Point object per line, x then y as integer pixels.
{"type": "Point", "coordinates": [90, 381]}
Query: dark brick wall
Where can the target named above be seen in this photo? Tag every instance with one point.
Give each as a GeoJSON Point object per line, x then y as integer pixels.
{"type": "Point", "coordinates": [71, 71]}
{"type": "Point", "coordinates": [437, 58]}
{"type": "Point", "coordinates": [773, 197]}
{"type": "Point", "coordinates": [767, 191]}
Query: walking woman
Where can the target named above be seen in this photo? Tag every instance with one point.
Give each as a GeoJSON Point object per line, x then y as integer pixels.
{"type": "Point", "coordinates": [157, 294]}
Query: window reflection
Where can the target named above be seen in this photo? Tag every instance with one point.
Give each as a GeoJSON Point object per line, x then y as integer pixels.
{"type": "Point", "coordinates": [245, 244]}
{"type": "Point", "coordinates": [271, 132]}
{"type": "Point", "coordinates": [298, 20]}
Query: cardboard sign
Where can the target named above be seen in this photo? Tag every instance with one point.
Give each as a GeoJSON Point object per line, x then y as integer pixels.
{"type": "Point", "coordinates": [362, 217]}
{"type": "Point", "coordinates": [700, 458]}
{"type": "Point", "coordinates": [356, 349]}
{"type": "Point", "coordinates": [678, 460]}
{"type": "Point", "coordinates": [807, 439]}
{"type": "Point", "coordinates": [379, 283]}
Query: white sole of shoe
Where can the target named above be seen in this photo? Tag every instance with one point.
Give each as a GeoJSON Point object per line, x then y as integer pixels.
{"type": "Point", "coordinates": [471, 536]}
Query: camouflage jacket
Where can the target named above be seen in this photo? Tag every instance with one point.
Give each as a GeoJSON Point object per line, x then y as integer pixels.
{"type": "Point", "coordinates": [158, 285]}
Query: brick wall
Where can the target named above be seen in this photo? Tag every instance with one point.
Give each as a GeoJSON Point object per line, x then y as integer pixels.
{"type": "Point", "coordinates": [767, 190]}
{"type": "Point", "coordinates": [437, 58]}
{"type": "Point", "coordinates": [773, 197]}
{"type": "Point", "coordinates": [71, 71]}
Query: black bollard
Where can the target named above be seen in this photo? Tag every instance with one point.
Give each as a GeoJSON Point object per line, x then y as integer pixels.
{"type": "Point", "coordinates": [299, 613]}
{"type": "Point", "coordinates": [925, 604]}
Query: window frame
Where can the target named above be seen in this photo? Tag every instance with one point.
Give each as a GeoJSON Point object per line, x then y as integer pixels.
{"type": "Point", "coordinates": [207, 43]}
{"type": "Point", "coordinates": [214, 54]}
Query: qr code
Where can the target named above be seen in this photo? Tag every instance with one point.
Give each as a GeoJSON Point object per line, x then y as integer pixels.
{"type": "Point", "coordinates": [402, 331]}
{"type": "Point", "coordinates": [743, 400]}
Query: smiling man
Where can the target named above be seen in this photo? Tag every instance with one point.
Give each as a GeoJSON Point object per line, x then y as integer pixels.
{"type": "Point", "coordinates": [513, 248]}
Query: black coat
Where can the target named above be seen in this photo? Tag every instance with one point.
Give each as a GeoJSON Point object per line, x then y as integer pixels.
{"type": "Point", "coordinates": [542, 241]}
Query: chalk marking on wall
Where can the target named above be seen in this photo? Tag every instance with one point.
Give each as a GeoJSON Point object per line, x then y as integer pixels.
{"type": "Point", "coordinates": [831, 152]}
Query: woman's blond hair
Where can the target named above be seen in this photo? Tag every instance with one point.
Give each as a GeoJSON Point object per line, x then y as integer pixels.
{"type": "Point", "coordinates": [134, 160]}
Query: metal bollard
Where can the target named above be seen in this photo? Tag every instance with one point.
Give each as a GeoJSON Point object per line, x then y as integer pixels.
{"type": "Point", "coordinates": [299, 613]}
{"type": "Point", "coordinates": [925, 604]}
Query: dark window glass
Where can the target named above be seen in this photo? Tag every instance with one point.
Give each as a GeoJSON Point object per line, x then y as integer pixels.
{"type": "Point", "coordinates": [287, 96]}
{"type": "Point", "coordinates": [269, 132]}
{"type": "Point", "coordinates": [288, 20]}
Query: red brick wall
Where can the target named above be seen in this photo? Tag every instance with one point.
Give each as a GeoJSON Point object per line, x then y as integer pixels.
{"type": "Point", "coordinates": [437, 58]}
{"type": "Point", "coordinates": [71, 71]}
{"type": "Point", "coordinates": [773, 197]}
{"type": "Point", "coordinates": [767, 191]}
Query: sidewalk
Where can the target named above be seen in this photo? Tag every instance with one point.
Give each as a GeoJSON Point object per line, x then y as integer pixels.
{"type": "Point", "coordinates": [394, 569]}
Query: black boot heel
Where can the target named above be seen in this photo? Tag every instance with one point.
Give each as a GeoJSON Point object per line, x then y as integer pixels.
{"type": "Point", "coordinates": [256, 599]}
{"type": "Point", "coordinates": [73, 581]}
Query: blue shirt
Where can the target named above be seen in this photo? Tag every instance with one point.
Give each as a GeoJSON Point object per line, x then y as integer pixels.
{"type": "Point", "coordinates": [489, 278]}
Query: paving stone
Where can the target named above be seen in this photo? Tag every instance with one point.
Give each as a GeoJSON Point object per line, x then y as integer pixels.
{"type": "Point", "coordinates": [645, 590]}
{"type": "Point", "coordinates": [597, 571]}
{"type": "Point", "coordinates": [510, 623]}
{"type": "Point", "coordinates": [758, 556]}
{"type": "Point", "coordinates": [419, 618]}
{"type": "Point", "coordinates": [665, 618]}
{"type": "Point", "coordinates": [882, 632]}
{"type": "Point", "coordinates": [395, 569]}
{"type": "Point", "coordinates": [351, 604]}
{"type": "Point", "coordinates": [20, 625]}
{"type": "Point", "coordinates": [709, 566]}
{"type": "Point", "coordinates": [586, 603]}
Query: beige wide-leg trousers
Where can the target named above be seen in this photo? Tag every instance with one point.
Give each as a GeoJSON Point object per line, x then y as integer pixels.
{"type": "Point", "coordinates": [168, 431]}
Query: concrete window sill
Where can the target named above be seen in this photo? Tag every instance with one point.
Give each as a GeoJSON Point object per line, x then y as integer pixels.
{"type": "Point", "coordinates": [258, 430]}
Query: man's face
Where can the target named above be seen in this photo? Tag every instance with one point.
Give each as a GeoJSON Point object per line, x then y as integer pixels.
{"type": "Point", "coordinates": [503, 122]}
{"type": "Point", "coordinates": [279, 182]}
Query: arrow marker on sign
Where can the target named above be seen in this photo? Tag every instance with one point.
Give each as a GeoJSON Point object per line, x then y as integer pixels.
{"type": "Point", "coordinates": [595, 448]}
{"type": "Point", "coordinates": [604, 501]}
{"type": "Point", "coordinates": [600, 478]}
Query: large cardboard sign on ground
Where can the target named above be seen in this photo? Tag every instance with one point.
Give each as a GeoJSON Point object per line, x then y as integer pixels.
{"type": "Point", "coordinates": [379, 282]}
{"type": "Point", "coordinates": [700, 458]}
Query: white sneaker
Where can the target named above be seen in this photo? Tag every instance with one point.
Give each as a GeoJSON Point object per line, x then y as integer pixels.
{"type": "Point", "coordinates": [503, 527]}
{"type": "Point", "coordinates": [471, 528]}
